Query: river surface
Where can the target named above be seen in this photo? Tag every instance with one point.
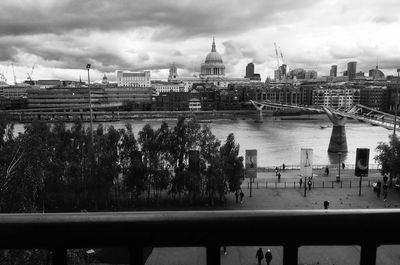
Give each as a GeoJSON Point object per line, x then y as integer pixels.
{"type": "Point", "coordinates": [280, 141]}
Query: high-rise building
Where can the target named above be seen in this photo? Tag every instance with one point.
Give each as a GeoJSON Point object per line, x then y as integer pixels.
{"type": "Point", "coordinates": [249, 70]}
{"type": "Point", "coordinates": [283, 69]}
{"type": "Point", "coordinates": [376, 73]}
{"type": "Point", "coordinates": [311, 74]}
{"type": "Point", "coordinates": [333, 72]}
{"type": "Point", "coordinates": [250, 73]}
{"type": "Point", "coordinates": [351, 70]}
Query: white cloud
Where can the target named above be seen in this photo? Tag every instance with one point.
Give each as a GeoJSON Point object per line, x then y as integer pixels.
{"type": "Point", "coordinates": [139, 35]}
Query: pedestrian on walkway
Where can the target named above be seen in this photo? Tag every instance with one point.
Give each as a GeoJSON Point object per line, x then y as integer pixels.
{"type": "Point", "coordinates": [259, 256]}
{"type": "Point", "coordinates": [327, 170]}
{"type": "Point", "coordinates": [283, 167]}
{"type": "Point", "coordinates": [343, 165]}
{"type": "Point", "coordinates": [309, 183]}
{"type": "Point", "coordinates": [384, 191]}
{"type": "Point", "coordinates": [326, 204]}
{"type": "Point", "coordinates": [279, 176]}
{"type": "Point", "coordinates": [241, 196]}
{"type": "Point", "coordinates": [378, 188]}
{"type": "Point", "coordinates": [276, 171]}
{"type": "Point", "coordinates": [385, 179]}
{"type": "Point", "coordinates": [301, 182]}
{"type": "Point", "coordinates": [237, 196]}
{"type": "Point", "coordinates": [268, 256]}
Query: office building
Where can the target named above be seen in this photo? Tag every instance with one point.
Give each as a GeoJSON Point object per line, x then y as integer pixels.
{"type": "Point", "coordinates": [351, 70]}
{"type": "Point", "coordinates": [333, 72]}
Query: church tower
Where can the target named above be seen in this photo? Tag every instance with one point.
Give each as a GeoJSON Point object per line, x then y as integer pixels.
{"type": "Point", "coordinates": [173, 72]}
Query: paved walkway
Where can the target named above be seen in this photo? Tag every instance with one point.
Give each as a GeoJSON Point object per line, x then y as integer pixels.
{"type": "Point", "coordinates": [344, 198]}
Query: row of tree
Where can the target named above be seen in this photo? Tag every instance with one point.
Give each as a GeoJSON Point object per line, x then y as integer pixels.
{"type": "Point", "coordinates": [65, 167]}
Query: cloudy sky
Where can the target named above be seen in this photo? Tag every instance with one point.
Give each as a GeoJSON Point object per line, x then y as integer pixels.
{"type": "Point", "coordinates": [60, 36]}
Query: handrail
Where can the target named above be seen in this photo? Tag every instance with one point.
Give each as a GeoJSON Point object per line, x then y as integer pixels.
{"type": "Point", "coordinates": [211, 229]}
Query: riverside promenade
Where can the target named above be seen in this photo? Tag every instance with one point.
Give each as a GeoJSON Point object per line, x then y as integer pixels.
{"type": "Point", "coordinates": [290, 179]}
{"type": "Point", "coordinates": [293, 198]}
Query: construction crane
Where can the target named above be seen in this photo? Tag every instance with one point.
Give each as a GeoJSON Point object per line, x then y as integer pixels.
{"type": "Point", "coordinates": [280, 51]}
{"type": "Point", "coordinates": [277, 60]}
{"type": "Point", "coordinates": [283, 62]}
{"type": "Point", "coordinates": [30, 74]}
{"type": "Point", "coordinates": [15, 78]}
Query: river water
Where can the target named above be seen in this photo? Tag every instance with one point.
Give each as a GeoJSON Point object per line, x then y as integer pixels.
{"type": "Point", "coordinates": [280, 141]}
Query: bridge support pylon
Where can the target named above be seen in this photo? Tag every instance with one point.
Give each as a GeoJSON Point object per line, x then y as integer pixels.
{"type": "Point", "coordinates": [259, 107]}
{"type": "Point", "coordinates": [338, 141]}
{"type": "Point", "coordinates": [260, 116]}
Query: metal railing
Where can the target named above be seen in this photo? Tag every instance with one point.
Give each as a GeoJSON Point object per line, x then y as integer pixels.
{"type": "Point", "coordinates": [314, 167]}
{"type": "Point", "coordinates": [209, 229]}
{"type": "Point", "coordinates": [315, 184]}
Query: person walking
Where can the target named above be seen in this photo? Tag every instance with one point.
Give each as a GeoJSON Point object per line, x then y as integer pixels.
{"type": "Point", "coordinates": [279, 176]}
{"type": "Point", "coordinates": [268, 256]}
{"type": "Point", "coordinates": [343, 165]}
{"type": "Point", "coordinates": [283, 167]}
{"type": "Point", "coordinates": [276, 171]}
{"type": "Point", "coordinates": [326, 205]}
{"type": "Point", "coordinates": [385, 179]}
{"type": "Point", "coordinates": [327, 170]}
{"type": "Point", "coordinates": [259, 256]}
{"type": "Point", "coordinates": [309, 183]}
{"type": "Point", "coordinates": [301, 182]}
{"type": "Point", "coordinates": [237, 196]}
{"type": "Point", "coordinates": [378, 188]}
{"type": "Point", "coordinates": [241, 196]}
{"type": "Point", "coordinates": [384, 191]}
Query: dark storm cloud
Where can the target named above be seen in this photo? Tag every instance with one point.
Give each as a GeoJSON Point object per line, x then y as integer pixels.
{"type": "Point", "coordinates": [61, 54]}
{"type": "Point", "coordinates": [385, 19]}
{"type": "Point", "coordinates": [177, 53]}
{"type": "Point", "coordinates": [183, 18]}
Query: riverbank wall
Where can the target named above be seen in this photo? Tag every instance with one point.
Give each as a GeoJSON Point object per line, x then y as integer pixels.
{"type": "Point", "coordinates": [27, 116]}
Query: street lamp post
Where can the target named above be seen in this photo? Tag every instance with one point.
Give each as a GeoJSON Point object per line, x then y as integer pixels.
{"type": "Point", "coordinates": [339, 153]}
{"type": "Point", "coordinates": [396, 102]}
{"type": "Point", "coordinates": [91, 151]}
{"type": "Point", "coordinates": [90, 103]}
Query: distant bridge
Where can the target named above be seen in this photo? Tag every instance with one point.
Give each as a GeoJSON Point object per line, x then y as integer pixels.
{"type": "Point", "coordinates": [259, 105]}
{"type": "Point", "coordinates": [357, 112]}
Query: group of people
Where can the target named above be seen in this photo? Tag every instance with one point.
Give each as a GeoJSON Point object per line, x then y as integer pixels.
{"type": "Point", "coordinates": [309, 182]}
{"type": "Point", "coordinates": [239, 195]}
{"type": "Point", "coordinates": [327, 168]}
{"type": "Point", "coordinates": [278, 173]}
{"type": "Point", "coordinates": [379, 187]}
{"type": "Point", "coordinates": [260, 256]}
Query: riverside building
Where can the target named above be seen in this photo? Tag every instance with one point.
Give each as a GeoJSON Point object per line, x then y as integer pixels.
{"type": "Point", "coordinates": [133, 79]}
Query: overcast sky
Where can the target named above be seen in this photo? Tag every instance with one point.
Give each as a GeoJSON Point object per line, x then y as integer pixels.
{"type": "Point", "coordinates": [61, 36]}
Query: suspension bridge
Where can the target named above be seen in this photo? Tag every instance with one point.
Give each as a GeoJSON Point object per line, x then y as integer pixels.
{"type": "Point", "coordinates": [357, 112]}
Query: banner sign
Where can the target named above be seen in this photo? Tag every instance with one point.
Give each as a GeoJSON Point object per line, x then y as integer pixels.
{"type": "Point", "coordinates": [362, 161]}
{"type": "Point", "coordinates": [194, 160]}
{"type": "Point", "coordinates": [251, 163]}
{"type": "Point", "coordinates": [306, 162]}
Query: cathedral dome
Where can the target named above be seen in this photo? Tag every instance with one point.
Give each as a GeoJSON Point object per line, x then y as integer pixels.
{"type": "Point", "coordinates": [213, 56]}
{"type": "Point", "coordinates": [213, 65]}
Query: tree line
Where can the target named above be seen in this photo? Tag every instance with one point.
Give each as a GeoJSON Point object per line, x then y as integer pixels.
{"type": "Point", "coordinates": [59, 168]}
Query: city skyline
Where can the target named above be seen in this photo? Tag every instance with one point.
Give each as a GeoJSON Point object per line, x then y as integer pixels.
{"type": "Point", "coordinates": [60, 37]}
